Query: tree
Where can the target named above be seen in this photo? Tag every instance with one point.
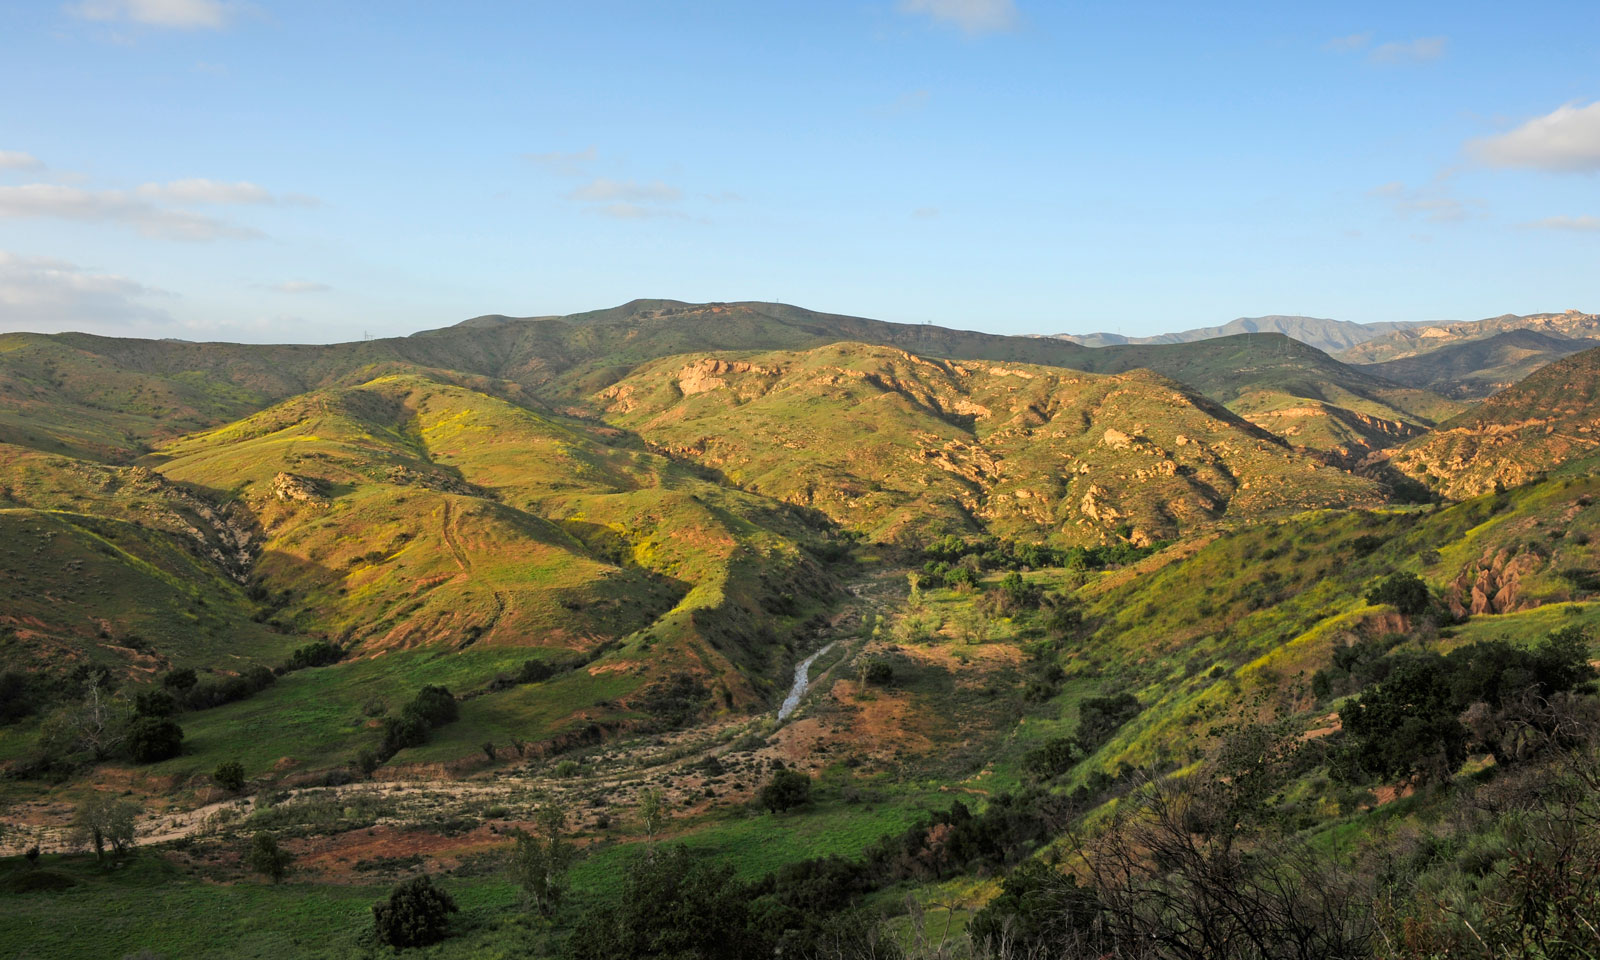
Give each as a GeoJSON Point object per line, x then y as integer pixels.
{"type": "Point", "coordinates": [652, 810]}
{"type": "Point", "coordinates": [97, 724]}
{"type": "Point", "coordinates": [180, 682]}
{"type": "Point", "coordinates": [672, 905]}
{"type": "Point", "coordinates": [104, 819]}
{"type": "Point", "coordinates": [229, 775]}
{"type": "Point", "coordinates": [1405, 727]}
{"type": "Point", "coordinates": [434, 706]}
{"type": "Point", "coordinates": [267, 858]}
{"type": "Point", "coordinates": [155, 703]}
{"type": "Point", "coordinates": [539, 861]}
{"type": "Point", "coordinates": [416, 914]}
{"type": "Point", "coordinates": [1404, 591]}
{"type": "Point", "coordinates": [786, 790]}
{"type": "Point", "coordinates": [1040, 912]}
{"type": "Point", "coordinates": [366, 763]}
{"type": "Point", "coordinates": [879, 673]}
{"type": "Point", "coordinates": [154, 738]}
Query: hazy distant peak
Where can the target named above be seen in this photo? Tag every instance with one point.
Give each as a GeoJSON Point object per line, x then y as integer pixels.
{"type": "Point", "coordinates": [1324, 334]}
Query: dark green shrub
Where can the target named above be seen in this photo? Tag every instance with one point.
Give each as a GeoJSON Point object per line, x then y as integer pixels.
{"type": "Point", "coordinates": [1404, 591]}
{"type": "Point", "coordinates": [879, 673]}
{"type": "Point", "coordinates": [267, 858]}
{"type": "Point", "coordinates": [154, 738]}
{"type": "Point", "coordinates": [434, 706]}
{"type": "Point", "coordinates": [229, 775]}
{"type": "Point", "coordinates": [786, 790]}
{"type": "Point", "coordinates": [416, 914]}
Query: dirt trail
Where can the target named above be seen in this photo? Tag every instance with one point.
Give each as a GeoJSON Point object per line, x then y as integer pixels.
{"type": "Point", "coordinates": [465, 563]}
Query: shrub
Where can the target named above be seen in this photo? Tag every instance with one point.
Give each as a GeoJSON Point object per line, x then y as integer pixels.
{"type": "Point", "coordinates": [155, 703]}
{"type": "Point", "coordinates": [416, 914]}
{"type": "Point", "coordinates": [1099, 718]}
{"type": "Point", "coordinates": [229, 775]}
{"type": "Point", "coordinates": [879, 673]}
{"type": "Point", "coordinates": [434, 706]}
{"type": "Point", "coordinates": [786, 790]}
{"type": "Point", "coordinates": [672, 905]}
{"type": "Point", "coordinates": [180, 681]}
{"type": "Point", "coordinates": [406, 730]}
{"type": "Point", "coordinates": [1404, 591]}
{"type": "Point", "coordinates": [267, 858]}
{"type": "Point", "coordinates": [318, 654]}
{"type": "Point", "coordinates": [154, 738]}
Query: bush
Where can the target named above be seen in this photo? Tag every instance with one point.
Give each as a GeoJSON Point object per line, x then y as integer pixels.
{"type": "Point", "coordinates": [154, 738]}
{"type": "Point", "coordinates": [399, 733]}
{"type": "Point", "coordinates": [676, 700]}
{"type": "Point", "coordinates": [672, 905]}
{"type": "Point", "coordinates": [318, 654]}
{"type": "Point", "coordinates": [416, 914]}
{"type": "Point", "coordinates": [1404, 591]}
{"type": "Point", "coordinates": [1054, 758]}
{"type": "Point", "coordinates": [1039, 911]}
{"type": "Point", "coordinates": [1099, 718]}
{"type": "Point", "coordinates": [434, 706]}
{"type": "Point", "coordinates": [180, 681]}
{"type": "Point", "coordinates": [786, 790]}
{"type": "Point", "coordinates": [535, 671]}
{"type": "Point", "coordinates": [155, 703]}
{"type": "Point", "coordinates": [267, 858]}
{"type": "Point", "coordinates": [879, 673]}
{"type": "Point", "coordinates": [229, 775]}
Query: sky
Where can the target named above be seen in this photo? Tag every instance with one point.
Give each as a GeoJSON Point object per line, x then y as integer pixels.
{"type": "Point", "coordinates": [277, 170]}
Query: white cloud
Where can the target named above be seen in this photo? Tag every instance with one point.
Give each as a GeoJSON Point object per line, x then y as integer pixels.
{"type": "Point", "coordinates": [972, 16]}
{"type": "Point", "coordinates": [301, 286]}
{"type": "Point", "coordinates": [1433, 204]}
{"type": "Point", "coordinates": [1355, 41]}
{"type": "Point", "coordinates": [199, 191]}
{"type": "Point", "coordinates": [1420, 50]}
{"type": "Point", "coordinates": [602, 189]}
{"type": "Point", "coordinates": [564, 164]}
{"type": "Point", "coordinates": [45, 295]}
{"type": "Point", "coordinates": [1583, 224]}
{"type": "Point", "coordinates": [635, 211]}
{"type": "Point", "coordinates": [44, 200]}
{"type": "Point", "coordinates": [180, 14]}
{"type": "Point", "coordinates": [17, 160]}
{"type": "Point", "coordinates": [1566, 140]}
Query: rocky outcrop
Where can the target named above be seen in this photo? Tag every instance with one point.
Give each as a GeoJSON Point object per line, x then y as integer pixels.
{"type": "Point", "coordinates": [295, 489]}
{"type": "Point", "coordinates": [1493, 583]}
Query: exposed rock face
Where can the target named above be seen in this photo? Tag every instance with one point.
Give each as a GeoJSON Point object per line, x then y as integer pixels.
{"type": "Point", "coordinates": [703, 376]}
{"type": "Point", "coordinates": [1493, 583]}
{"type": "Point", "coordinates": [290, 488]}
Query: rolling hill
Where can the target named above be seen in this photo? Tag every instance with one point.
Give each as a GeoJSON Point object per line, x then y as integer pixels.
{"type": "Point", "coordinates": [1425, 338]}
{"type": "Point", "coordinates": [909, 448]}
{"type": "Point", "coordinates": [1329, 335]}
{"type": "Point", "coordinates": [1473, 369]}
{"type": "Point", "coordinates": [1547, 422]}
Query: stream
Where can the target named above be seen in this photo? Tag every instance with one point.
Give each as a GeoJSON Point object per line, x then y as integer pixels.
{"type": "Point", "coordinates": [802, 680]}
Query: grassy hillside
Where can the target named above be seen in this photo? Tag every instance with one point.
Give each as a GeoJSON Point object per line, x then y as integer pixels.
{"type": "Point", "coordinates": [908, 448]}
{"type": "Point", "coordinates": [1474, 369]}
{"type": "Point", "coordinates": [1544, 423]}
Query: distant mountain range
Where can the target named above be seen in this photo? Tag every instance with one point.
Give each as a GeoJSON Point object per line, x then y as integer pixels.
{"type": "Point", "coordinates": [1331, 336]}
{"type": "Point", "coordinates": [1417, 339]}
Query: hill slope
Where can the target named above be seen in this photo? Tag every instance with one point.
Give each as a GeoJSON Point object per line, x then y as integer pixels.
{"type": "Point", "coordinates": [1473, 369]}
{"type": "Point", "coordinates": [1425, 338]}
{"type": "Point", "coordinates": [907, 447]}
{"type": "Point", "coordinates": [1549, 420]}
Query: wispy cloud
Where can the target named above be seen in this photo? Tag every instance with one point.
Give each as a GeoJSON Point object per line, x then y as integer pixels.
{"type": "Point", "coordinates": [1420, 50]}
{"type": "Point", "coordinates": [44, 294]}
{"type": "Point", "coordinates": [175, 14]}
{"type": "Point", "coordinates": [1351, 43]}
{"type": "Point", "coordinates": [1566, 140]}
{"type": "Point", "coordinates": [602, 189]}
{"type": "Point", "coordinates": [622, 210]}
{"type": "Point", "coordinates": [573, 164]}
{"type": "Point", "coordinates": [300, 286]}
{"type": "Point", "coordinates": [1583, 224]}
{"type": "Point", "coordinates": [17, 160]}
{"type": "Point", "coordinates": [971, 16]}
{"type": "Point", "coordinates": [44, 200]}
{"type": "Point", "coordinates": [1433, 204]}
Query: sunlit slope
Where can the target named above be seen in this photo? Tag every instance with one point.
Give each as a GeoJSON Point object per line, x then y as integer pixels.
{"type": "Point", "coordinates": [407, 511]}
{"type": "Point", "coordinates": [1289, 389]}
{"type": "Point", "coordinates": [904, 447]}
{"type": "Point", "coordinates": [1473, 369]}
{"type": "Point", "coordinates": [1548, 421]}
{"type": "Point", "coordinates": [118, 567]}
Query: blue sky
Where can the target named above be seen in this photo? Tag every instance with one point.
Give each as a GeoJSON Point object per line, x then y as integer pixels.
{"type": "Point", "coordinates": [280, 170]}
